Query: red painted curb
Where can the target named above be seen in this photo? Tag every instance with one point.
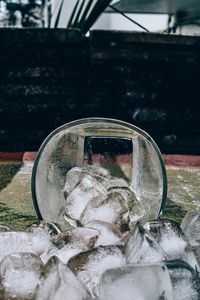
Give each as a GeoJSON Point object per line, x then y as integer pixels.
{"type": "Point", "coordinates": [169, 159]}
{"type": "Point", "coordinates": [181, 160]}
{"type": "Point", "coordinates": [17, 156]}
{"type": "Point", "coordinates": [29, 156]}
{"type": "Point", "coordinates": [11, 156]}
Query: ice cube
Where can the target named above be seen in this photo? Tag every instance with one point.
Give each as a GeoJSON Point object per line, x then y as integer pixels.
{"type": "Point", "coordinates": [80, 235]}
{"type": "Point", "coordinates": [163, 228]}
{"type": "Point", "coordinates": [97, 170]}
{"type": "Point", "coordinates": [76, 174]}
{"type": "Point", "coordinates": [64, 254]}
{"type": "Point", "coordinates": [191, 255]}
{"type": "Point", "coordinates": [60, 283]}
{"type": "Point", "coordinates": [135, 209]}
{"type": "Point", "coordinates": [191, 225]}
{"type": "Point", "coordinates": [141, 247]}
{"type": "Point", "coordinates": [185, 280]}
{"type": "Point", "coordinates": [89, 265]}
{"type": "Point", "coordinates": [87, 190]}
{"type": "Point", "coordinates": [170, 238]}
{"type": "Point", "coordinates": [195, 247]}
{"type": "Point", "coordinates": [114, 182]}
{"type": "Point", "coordinates": [138, 282]}
{"type": "Point", "coordinates": [15, 242]}
{"type": "Point", "coordinates": [109, 233]}
{"type": "Point", "coordinates": [113, 209]}
{"type": "Point", "coordinates": [44, 226]}
{"type": "Point", "coordinates": [20, 273]}
{"type": "Point", "coordinates": [72, 179]}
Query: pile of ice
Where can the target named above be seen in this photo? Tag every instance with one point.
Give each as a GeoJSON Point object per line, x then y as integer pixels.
{"type": "Point", "coordinates": [102, 258]}
{"type": "Point", "coordinates": [91, 193]}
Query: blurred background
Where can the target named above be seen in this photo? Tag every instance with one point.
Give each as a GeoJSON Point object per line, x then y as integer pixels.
{"type": "Point", "coordinates": [134, 60]}
{"type": "Point", "coordinates": [155, 15]}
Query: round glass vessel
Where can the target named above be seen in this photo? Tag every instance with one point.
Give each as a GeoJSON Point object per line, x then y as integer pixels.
{"type": "Point", "coordinates": [120, 156]}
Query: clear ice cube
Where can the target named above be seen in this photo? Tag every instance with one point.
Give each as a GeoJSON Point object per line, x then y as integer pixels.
{"type": "Point", "coordinates": [88, 266]}
{"type": "Point", "coordinates": [59, 283]}
{"type": "Point", "coordinates": [76, 174]}
{"type": "Point", "coordinates": [113, 210]}
{"type": "Point", "coordinates": [87, 190]}
{"type": "Point", "coordinates": [195, 247]}
{"type": "Point", "coordinates": [141, 247]}
{"type": "Point", "coordinates": [138, 282]}
{"type": "Point", "coordinates": [160, 229]}
{"type": "Point", "coordinates": [80, 235]}
{"type": "Point", "coordinates": [109, 233]}
{"type": "Point", "coordinates": [191, 225]}
{"type": "Point", "coordinates": [169, 236]}
{"type": "Point", "coordinates": [20, 273]}
{"type": "Point", "coordinates": [185, 280]}
{"type": "Point", "coordinates": [114, 182]}
{"type": "Point", "coordinates": [97, 171]}
{"type": "Point", "coordinates": [44, 226]}
{"type": "Point", "coordinates": [15, 242]}
{"type": "Point", "coordinates": [171, 239]}
{"type": "Point", "coordinates": [64, 254]}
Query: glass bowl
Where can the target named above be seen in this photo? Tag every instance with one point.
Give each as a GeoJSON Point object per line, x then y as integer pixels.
{"type": "Point", "coordinates": [122, 157]}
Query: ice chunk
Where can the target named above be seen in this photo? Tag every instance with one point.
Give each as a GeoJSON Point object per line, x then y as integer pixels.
{"type": "Point", "coordinates": [44, 226]}
{"type": "Point", "coordinates": [87, 190]}
{"type": "Point", "coordinates": [112, 209]}
{"type": "Point", "coordinates": [191, 254]}
{"type": "Point", "coordinates": [135, 209]}
{"type": "Point", "coordinates": [76, 174]}
{"type": "Point", "coordinates": [70, 243]}
{"type": "Point", "coordinates": [81, 236]}
{"type": "Point", "coordinates": [185, 280]}
{"type": "Point", "coordinates": [114, 182]}
{"type": "Point", "coordinates": [170, 238]}
{"type": "Point", "coordinates": [60, 283]}
{"type": "Point", "coordinates": [138, 282]}
{"type": "Point", "coordinates": [109, 233]}
{"type": "Point", "coordinates": [163, 228]}
{"type": "Point", "coordinates": [15, 242]}
{"type": "Point", "coordinates": [20, 274]}
{"type": "Point", "coordinates": [89, 265]}
{"type": "Point", "coordinates": [64, 254]}
{"type": "Point", "coordinates": [97, 171]}
{"type": "Point", "coordinates": [195, 247]}
{"type": "Point", "coordinates": [191, 225]}
{"type": "Point", "coordinates": [72, 179]}
{"type": "Point", "coordinates": [91, 191]}
{"type": "Point", "coordinates": [141, 247]}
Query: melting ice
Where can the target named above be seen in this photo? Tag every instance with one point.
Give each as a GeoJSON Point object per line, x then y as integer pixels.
{"type": "Point", "coordinates": [106, 254]}
{"type": "Point", "coordinates": [93, 194]}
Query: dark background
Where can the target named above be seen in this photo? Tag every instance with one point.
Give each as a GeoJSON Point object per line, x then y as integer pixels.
{"type": "Point", "coordinates": [49, 77]}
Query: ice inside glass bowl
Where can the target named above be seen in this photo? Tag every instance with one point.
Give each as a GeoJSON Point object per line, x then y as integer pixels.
{"type": "Point", "coordinates": [99, 169]}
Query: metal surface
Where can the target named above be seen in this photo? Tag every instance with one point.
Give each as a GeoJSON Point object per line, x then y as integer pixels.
{"type": "Point", "coordinates": [188, 9]}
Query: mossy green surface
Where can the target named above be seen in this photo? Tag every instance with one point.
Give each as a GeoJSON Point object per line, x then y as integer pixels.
{"type": "Point", "coordinates": [16, 205]}
{"type": "Point", "coordinates": [176, 211]}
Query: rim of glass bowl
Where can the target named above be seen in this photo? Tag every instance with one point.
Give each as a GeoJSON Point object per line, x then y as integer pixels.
{"type": "Point", "coordinates": [96, 120]}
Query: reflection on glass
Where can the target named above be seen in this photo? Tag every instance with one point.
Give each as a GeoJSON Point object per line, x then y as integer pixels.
{"type": "Point", "coordinates": [100, 169]}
